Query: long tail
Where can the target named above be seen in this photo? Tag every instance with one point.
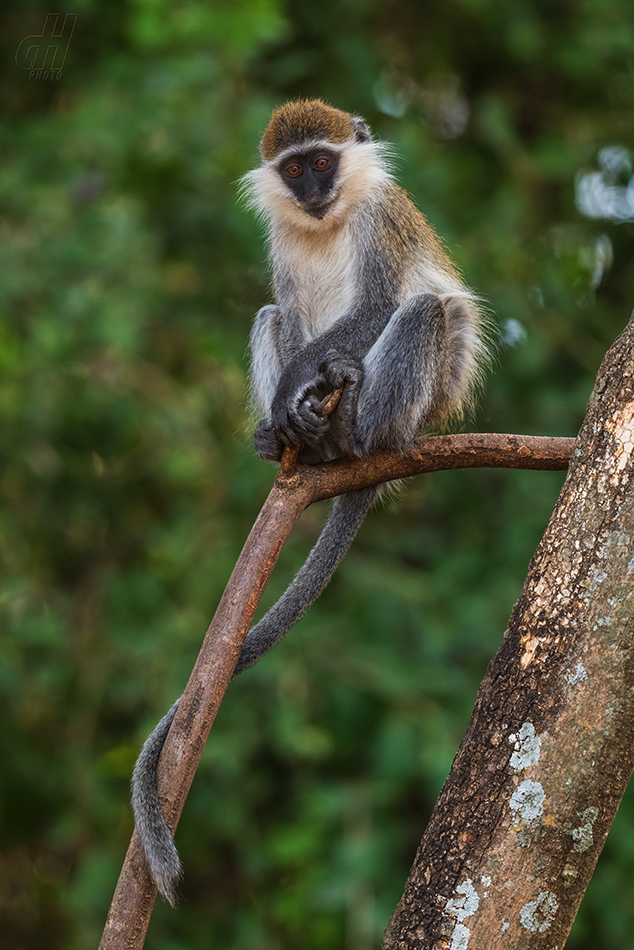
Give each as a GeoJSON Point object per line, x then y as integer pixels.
{"type": "Point", "coordinates": [345, 519]}
{"type": "Point", "coordinates": [155, 836]}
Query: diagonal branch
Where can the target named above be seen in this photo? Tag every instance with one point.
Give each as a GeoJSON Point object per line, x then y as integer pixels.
{"type": "Point", "coordinates": [295, 488]}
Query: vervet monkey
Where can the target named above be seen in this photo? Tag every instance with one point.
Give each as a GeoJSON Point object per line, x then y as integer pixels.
{"type": "Point", "coordinates": [367, 301]}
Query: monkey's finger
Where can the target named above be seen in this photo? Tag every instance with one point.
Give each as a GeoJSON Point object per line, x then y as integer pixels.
{"type": "Point", "coordinates": [308, 418]}
{"type": "Point", "coordinates": [311, 405]}
{"type": "Point", "coordinates": [307, 408]}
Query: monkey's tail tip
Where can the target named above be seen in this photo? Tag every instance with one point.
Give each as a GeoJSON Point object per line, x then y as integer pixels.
{"type": "Point", "coordinates": [156, 838]}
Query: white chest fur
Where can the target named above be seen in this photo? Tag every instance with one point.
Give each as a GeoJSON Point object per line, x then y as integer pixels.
{"type": "Point", "coordinates": [323, 275]}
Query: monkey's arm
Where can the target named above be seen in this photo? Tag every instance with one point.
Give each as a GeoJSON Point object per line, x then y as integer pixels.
{"type": "Point", "coordinates": [332, 361]}
{"type": "Point", "coordinates": [276, 339]}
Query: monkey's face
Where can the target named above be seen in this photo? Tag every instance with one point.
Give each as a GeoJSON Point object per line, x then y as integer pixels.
{"type": "Point", "coordinates": [315, 185]}
{"type": "Point", "coordinates": [311, 177]}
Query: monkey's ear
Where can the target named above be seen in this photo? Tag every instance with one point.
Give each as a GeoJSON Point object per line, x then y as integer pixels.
{"type": "Point", "coordinates": [361, 130]}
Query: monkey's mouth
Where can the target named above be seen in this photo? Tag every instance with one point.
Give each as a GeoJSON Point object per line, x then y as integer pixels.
{"type": "Point", "coordinates": [318, 207]}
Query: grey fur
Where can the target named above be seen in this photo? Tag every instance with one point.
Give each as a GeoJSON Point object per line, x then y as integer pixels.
{"type": "Point", "coordinates": [347, 515]}
{"type": "Point", "coordinates": [367, 301]}
{"type": "Point", "coordinates": [155, 836]}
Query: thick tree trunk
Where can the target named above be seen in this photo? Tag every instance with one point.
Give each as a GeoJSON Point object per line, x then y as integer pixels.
{"type": "Point", "coordinates": [523, 816]}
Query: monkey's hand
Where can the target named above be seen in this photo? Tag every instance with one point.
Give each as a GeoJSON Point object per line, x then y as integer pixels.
{"type": "Point", "coordinates": [299, 419]}
{"type": "Point", "coordinates": [341, 372]}
{"type": "Point", "coordinates": [266, 442]}
{"type": "Point", "coordinates": [345, 373]}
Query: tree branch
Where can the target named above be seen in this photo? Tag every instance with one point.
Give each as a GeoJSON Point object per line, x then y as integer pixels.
{"type": "Point", "coordinates": [295, 488]}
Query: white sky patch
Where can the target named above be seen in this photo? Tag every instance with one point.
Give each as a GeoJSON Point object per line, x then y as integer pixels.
{"type": "Point", "coordinates": [609, 191]}
{"type": "Point", "coordinates": [527, 747]}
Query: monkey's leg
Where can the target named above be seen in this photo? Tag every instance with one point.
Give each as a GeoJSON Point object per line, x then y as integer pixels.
{"type": "Point", "coordinates": [405, 376]}
{"type": "Point", "coordinates": [266, 365]}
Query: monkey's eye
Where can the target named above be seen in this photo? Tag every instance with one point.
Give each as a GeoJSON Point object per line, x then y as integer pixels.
{"type": "Point", "coordinates": [293, 170]}
{"type": "Point", "coordinates": [321, 163]}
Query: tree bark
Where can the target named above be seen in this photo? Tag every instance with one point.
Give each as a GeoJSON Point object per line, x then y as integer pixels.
{"type": "Point", "coordinates": [522, 818]}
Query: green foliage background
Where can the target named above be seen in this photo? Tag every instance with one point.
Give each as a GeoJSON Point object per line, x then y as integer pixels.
{"type": "Point", "coordinates": [129, 276]}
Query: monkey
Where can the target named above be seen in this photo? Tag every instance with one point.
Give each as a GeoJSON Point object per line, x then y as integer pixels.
{"type": "Point", "coordinates": [367, 301]}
